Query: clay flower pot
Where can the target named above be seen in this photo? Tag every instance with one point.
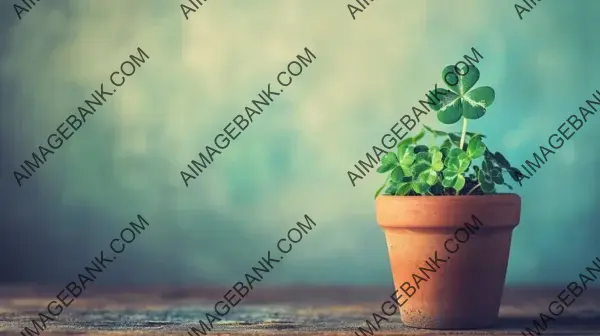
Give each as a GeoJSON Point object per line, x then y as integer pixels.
{"type": "Point", "coordinates": [456, 270]}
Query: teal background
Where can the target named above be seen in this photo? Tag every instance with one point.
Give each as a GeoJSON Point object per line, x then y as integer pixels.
{"type": "Point", "coordinates": [293, 159]}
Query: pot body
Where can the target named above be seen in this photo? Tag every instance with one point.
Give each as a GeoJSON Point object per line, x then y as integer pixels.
{"type": "Point", "coordinates": [449, 256]}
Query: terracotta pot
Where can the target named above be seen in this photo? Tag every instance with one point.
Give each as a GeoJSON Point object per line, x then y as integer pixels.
{"type": "Point", "coordinates": [464, 290]}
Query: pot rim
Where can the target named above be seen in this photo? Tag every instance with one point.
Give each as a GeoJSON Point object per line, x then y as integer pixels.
{"type": "Point", "coordinates": [451, 196]}
{"type": "Point", "coordinates": [422, 212]}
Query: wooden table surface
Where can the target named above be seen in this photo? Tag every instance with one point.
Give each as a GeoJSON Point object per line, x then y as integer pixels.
{"type": "Point", "coordinates": [272, 311]}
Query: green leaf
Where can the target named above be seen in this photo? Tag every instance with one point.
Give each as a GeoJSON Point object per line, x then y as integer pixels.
{"type": "Point", "coordinates": [437, 189]}
{"type": "Point", "coordinates": [501, 160]}
{"type": "Point", "coordinates": [486, 166]}
{"type": "Point", "coordinates": [482, 96]}
{"type": "Point", "coordinates": [495, 172]}
{"type": "Point", "coordinates": [497, 177]}
{"type": "Point", "coordinates": [508, 186]}
{"type": "Point", "coordinates": [467, 77]}
{"type": "Point", "coordinates": [471, 134]}
{"type": "Point", "coordinates": [437, 166]}
{"type": "Point", "coordinates": [405, 143]}
{"type": "Point", "coordinates": [446, 144]}
{"type": "Point", "coordinates": [451, 79]}
{"type": "Point", "coordinates": [471, 110]}
{"type": "Point", "coordinates": [420, 167]}
{"type": "Point", "coordinates": [418, 136]}
{"type": "Point", "coordinates": [481, 176]}
{"type": "Point", "coordinates": [484, 178]}
{"type": "Point", "coordinates": [423, 157]}
{"type": "Point", "coordinates": [403, 189]}
{"type": "Point", "coordinates": [449, 177]}
{"type": "Point", "coordinates": [445, 98]}
{"type": "Point", "coordinates": [391, 190]}
{"type": "Point", "coordinates": [436, 161]}
{"type": "Point", "coordinates": [434, 132]}
{"type": "Point", "coordinates": [487, 188]}
{"type": "Point", "coordinates": [384, 168]}
{"type": "Point", "coordinates": [445, 153]}
{"type": "Point", "coordinates": [476, 148]}
{"type": "Point", "coordinates": [420, 187]}
{"type": "Point", "coordinates": [445, 148]}
{"type": "Point", "coordinates": [463, 163]}
{"type": "Point", "coordinates": [421, 148]}
{"type": "Point", "coordinates": [455, 139]}
{"type": "Point", "coordinates": [515, 174]}
{"type": "Point", "coordinates": [450, 113]}
{"type": "Point", "coordinates": [458, 160]}
{"type": "Point", "coordinates": [397, 175]}
{"type": "Point", "coordinates": [390, 158]}
{"type": "Point", "coordinates": [407, 170]}
{"type": "Point", "coordinates": [428, 176]}
{"type": "Point", "coordinates": [408, 157]}
{"type": "Point", "coordinates": [456, 152]}
{"type": "Point", "coordinates": [449, 181]}
{"type": "Point", "coordinates": [381, 188]}
{"type": "Point", "coordinates": [452, 163]}
{"type": "Point", "coordinates": [459, 184]}
{"type": "Point", "coordinates": [401, 149]}
{"type": "Point", "coordinates": [488, 155]}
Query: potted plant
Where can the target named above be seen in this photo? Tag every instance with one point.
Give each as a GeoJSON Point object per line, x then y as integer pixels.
{"type": "Point", "coordinates": [431, 190]}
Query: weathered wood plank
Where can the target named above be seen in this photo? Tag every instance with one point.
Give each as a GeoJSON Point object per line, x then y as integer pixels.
{"type": "Point", "coordinates": [275, 311]}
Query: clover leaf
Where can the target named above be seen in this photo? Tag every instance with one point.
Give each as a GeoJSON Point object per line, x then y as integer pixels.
{"type": "Point", "coordinates": [421, 149]}
{"type": "Point", "coordinates": [406, 157]}
{"type": "Point", "coordinates": [498, 159]}
{"type": "Point", "coordinates": [428, 165]}
{"type": "Point", "coordinates": [391, 189]}
{"type": "Point", "coordinates": [459, 101]}
{"type": "Point", "coordinates": [476, 148]}
{"type": "Point", "coordinates": [388, 162]}
{"type": "Point", "coordinates": [420, 187]}
{"type": "Point", "coordinates": [456, 164]}
{"type": "Point", "coordinates": [453, 179]}
{"type": "Point", "coordinates": [399, 167]}
{"type": "Point", "coordinates": [397, 175]}
{"type": "Point", "coordinates": [484, 177]}
{"type": "Point", "coordinates": [403, 189]}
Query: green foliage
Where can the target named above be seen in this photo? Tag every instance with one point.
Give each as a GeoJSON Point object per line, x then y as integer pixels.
{"type": "Point", "coordinates": [445, 169]}
{"type": "Point", "coordinates": [449, 168]}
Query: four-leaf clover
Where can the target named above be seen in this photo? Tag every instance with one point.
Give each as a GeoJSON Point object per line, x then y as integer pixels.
{"type": "Point", "coordinates": [459, 101]}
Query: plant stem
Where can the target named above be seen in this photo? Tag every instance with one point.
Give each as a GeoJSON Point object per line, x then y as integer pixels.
{"type": "Point", "coordinates": [387, 179]}
{"type": "Point", "coordinates": [464, 133]}
{"type": "Point", "coordinates": [475, 187]}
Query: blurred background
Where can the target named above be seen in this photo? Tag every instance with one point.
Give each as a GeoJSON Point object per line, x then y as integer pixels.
{"type": "Point", "coordinates": [293, 159]}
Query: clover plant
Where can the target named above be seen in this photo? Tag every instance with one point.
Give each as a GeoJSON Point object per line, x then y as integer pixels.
{"type": "Point", "coordinates": [452, 163]}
